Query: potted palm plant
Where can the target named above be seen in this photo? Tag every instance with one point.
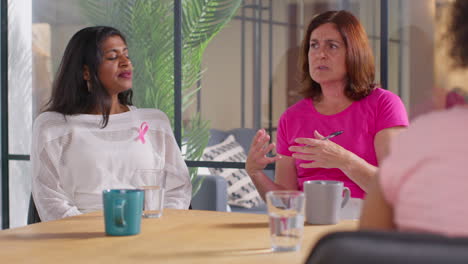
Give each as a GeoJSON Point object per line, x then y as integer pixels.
{"type": "Point", "coordinates": [148, 26]}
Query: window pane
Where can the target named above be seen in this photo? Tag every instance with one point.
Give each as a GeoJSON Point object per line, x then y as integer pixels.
{"type": "Point", "coordinates": [20, 191]}
{"type": "Point", "coordinates": [19, 106]}
{"type": "Point", "coordinates": [19, 76]}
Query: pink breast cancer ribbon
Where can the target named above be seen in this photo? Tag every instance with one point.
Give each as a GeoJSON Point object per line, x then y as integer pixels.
{"type": "Point", "coordinates": [141, 133]}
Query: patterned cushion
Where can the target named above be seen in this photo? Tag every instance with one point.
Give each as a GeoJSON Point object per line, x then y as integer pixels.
{"type": "Point", "coordinates": [241, 190]}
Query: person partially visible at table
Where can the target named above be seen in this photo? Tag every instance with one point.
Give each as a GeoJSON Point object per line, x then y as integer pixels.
{"type": "Point", "coordinates": [422, 186]}
{"type": "Point", "coordinates": [91, 137]}
{"type": "Point", "coordinates": [340, 95]}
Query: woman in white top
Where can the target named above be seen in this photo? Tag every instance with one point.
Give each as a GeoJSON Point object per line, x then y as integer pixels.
{"type": "Point", "coordinates": [91, 138]}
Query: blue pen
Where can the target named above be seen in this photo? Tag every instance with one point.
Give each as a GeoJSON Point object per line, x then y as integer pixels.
{"type": "Point", "coordinates": [333, 135]}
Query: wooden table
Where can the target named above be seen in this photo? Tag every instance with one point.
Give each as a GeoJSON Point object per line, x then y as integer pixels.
{"type": "Point", "coordinates": [180, 236]}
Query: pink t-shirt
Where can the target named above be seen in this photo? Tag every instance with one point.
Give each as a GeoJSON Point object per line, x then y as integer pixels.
{"type": "Point", "coordinates": [425, 178]}
{"type": "Point", "coordinates": [360, 122]}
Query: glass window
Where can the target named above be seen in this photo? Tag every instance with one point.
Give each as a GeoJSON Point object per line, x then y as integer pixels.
{"type": "Point", "coordinates": [20, 190]}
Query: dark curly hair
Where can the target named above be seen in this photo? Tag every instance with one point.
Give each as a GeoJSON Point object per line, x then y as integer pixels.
{"type": "Point", "coordinates": [458, 33]}
{"type": "Point", "coordinates": [70, 93]}
{"type": "Point", "coordinates": [359, 57]}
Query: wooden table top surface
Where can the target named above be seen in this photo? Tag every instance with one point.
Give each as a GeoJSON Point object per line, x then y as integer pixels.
{"type": "Point", "coordinates": [179, 236]}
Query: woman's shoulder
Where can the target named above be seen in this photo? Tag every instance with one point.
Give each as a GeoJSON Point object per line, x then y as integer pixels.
{"type": "Point", "coordinates": [300, 107]}
{"type": "Point", "coordinates": [49, 119]}
{"type": "Point", "coordinates": [383, 100]}
{"type": "Point", "coordinates": [44, 116]}
{"type": "Point", "coordinates": [380, 94]}
{"type": "Point", "coordinates": [49, 125]}
{"type": "Point", "coordinates": [151, 114]}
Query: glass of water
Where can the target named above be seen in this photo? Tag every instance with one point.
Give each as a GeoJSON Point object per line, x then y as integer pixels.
{"type": "Point", "coordinates": [153, 183]}
{"type": "Point", "coordinates": [286, 213]}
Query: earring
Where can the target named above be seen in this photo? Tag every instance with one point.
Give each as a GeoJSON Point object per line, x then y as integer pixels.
{"type": "Point", "coordinates": [88, 84]}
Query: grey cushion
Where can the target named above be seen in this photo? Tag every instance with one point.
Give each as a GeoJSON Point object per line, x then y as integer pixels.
{"type": "Point", "coordinates": [241, 190]}
{"type": "Point", "coordinates": [216, 137]}
{"type": "Point", "coordinates": [243, 136]}
{"type": "Point", "coordinates": [209, 196]}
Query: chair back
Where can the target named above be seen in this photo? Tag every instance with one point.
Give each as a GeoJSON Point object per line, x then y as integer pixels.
{"type": "Point", "coordinates": [388, 248]}
{"type": "Point", "coordinates": [33, 215]}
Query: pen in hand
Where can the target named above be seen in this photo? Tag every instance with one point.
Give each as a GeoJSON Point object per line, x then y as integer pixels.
{"type": "Point", "coordinates": [333, 135]}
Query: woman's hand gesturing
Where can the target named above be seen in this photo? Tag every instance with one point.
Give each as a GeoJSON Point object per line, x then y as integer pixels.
{"type": "Point", "coordinates": [257, 159]}
{"type": "Point", "coordinates": [322, 153]}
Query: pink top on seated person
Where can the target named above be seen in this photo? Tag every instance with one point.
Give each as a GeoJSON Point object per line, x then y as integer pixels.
{"type": "Point", "coordinates": [360, 122]}
{"type": "Point", "coordinates": [425, 178]}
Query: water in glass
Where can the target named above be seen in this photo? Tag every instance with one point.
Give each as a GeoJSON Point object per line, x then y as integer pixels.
{"type": "Point", "coordinates": [286, 230]}
{"type": "Point", "coordinates": [154, 201]}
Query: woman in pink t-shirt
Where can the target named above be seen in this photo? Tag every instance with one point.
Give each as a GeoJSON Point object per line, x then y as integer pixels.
{"type": "Point", "coordinates": [422, 186]}
{"type": "Point", "coordinates": [340, 95]}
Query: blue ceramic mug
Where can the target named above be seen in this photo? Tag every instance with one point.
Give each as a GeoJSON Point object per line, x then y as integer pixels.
{"type": "Point", "coordinates": [122, 211]}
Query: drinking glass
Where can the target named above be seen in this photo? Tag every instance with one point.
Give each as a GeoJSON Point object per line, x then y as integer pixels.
{"type": "Point", "coordinates": [153, 183]}
{"type": "Point", "coordinates": [286, 214]}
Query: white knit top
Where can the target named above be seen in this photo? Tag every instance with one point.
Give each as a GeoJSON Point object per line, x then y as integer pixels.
{"type": "Point", "coordinates": [74, 160]}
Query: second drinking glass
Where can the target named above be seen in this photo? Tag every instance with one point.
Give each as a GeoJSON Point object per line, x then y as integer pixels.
{"type": "Point", "coordinates": [154, 186]}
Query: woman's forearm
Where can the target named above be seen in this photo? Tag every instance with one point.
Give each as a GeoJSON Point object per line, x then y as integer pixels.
{"type": "Point", "coordinates": [263, 183]}
{"type": "Point", "coordinates": [359, 171]}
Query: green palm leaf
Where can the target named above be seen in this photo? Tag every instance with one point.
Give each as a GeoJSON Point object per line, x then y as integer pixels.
{"type": "Point", "coordinates": [203, 19]}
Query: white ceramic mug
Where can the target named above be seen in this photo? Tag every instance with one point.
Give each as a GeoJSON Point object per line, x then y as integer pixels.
{"type": "Point", "coordinates": [324, 200]}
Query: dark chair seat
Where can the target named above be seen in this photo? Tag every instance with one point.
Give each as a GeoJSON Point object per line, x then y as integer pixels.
{"type": "Point", "coordinates": [387, 248]}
